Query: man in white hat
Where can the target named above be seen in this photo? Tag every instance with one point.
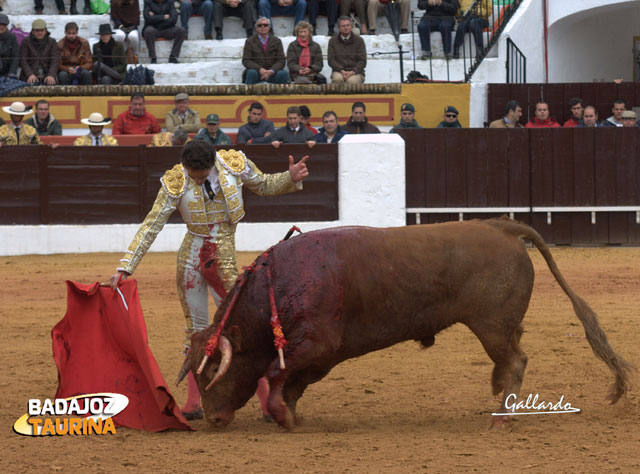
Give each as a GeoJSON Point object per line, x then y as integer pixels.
{"type": "Point", "coordinates": [96, 123]}
{"type": "Point", "coordinates": [16, 132]}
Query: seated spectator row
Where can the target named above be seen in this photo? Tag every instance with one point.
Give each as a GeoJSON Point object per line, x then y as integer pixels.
{"type": "Point", "coordinates": [183, 120]}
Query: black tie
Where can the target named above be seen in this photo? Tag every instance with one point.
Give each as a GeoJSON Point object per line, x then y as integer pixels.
{"type": "Point", "coordinates": [18, 135]}
{"type": "Point", "coordinates": [207, 187]}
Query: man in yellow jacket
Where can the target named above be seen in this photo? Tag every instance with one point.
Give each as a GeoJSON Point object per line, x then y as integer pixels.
{"type": "Point", "coordinates": [95, 137]}
{"type": "Point", "coordinates": [16, 132]}
{"type": "Point", "coordinates": [177, 138]}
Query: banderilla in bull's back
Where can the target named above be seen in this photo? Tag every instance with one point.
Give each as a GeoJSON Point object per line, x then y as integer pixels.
{"type": "Point", "coordinates": [343, 292]}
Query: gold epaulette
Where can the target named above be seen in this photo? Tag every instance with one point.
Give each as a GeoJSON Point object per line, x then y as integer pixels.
{"type": "Point", "coordinates": [234, 161]}
{"type": "Point", "coordinates": [174, 181]}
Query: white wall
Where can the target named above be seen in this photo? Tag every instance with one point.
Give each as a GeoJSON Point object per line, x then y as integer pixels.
{"type": "Point", "coordinates": [371, 189]}
{"type": "Point", "coordinates": [603, 38]}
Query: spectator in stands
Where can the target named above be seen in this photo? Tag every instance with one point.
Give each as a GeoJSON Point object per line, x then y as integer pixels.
{"type": "Point", "coordinates": [76, 61]}
{"type": "Point", "coordinates": [375, 8]}
{"type": "Point", "coordinates": [160, 18]}
{"type": "Point", "coordinates": [95, 137]}
{"type": "Point", "coordinates": [331, 131]}
{"type": "Point", "coordinates": [257, 130]}
{"type": "Point", "coordinates": [360, 8]}
{"type": "Point", "coordinates": [590, 117]}
{"type": "Point", "coordinates": [263, 56]}
{"type": "Point", "coordinates": [296, 8]}
{"type": "Point", "coordinates": [177, 138]}
{"type": "Point", "coordinates": [73, 10]}
{"type": "Point", "coordinates": [136, 120]}
{"type": "Point", "coordinates": [541, 118]}
{"type": "Point", "coordinates": [305, 116]}
{"type": "Point", "coordinates": [450, 118]}
{"type": "Point", "coordinates": [439, 15]}
{"type": "Point", "coordinates": [512, 114]}
{"type": "Point", "coordinates": [615, 120]}
{"type": "Point", "coordinates": [347, 54]}
{"type": "Point", "coordinates": [16, 132]}
{"type": "Point", "coordinates": [125, 15]}
{"type": "Point", "coordinates": [576, 107]}
{"type": "Point", "coordinates": [204, 8]}
{"type": "Point", "coordinates": [211, 132]}
{"type": "Point", "coordinates": [39, 56]}
{"type": "Point", "coordinates": [9, 50]}
{"type": "Point", "coordinates": [629, 118]}
{"type": "Point", "coordinates": [182, 116]}
{"type": "Point", "coordinates": [473, 21]}
{"type": "Point", "coordinates": [59, 5]}
{"type": "Point", "coordinates": [293, 131]}
{"type": "Point", "coordinates": [324, 7]}
{"type": "Point", "coordinates": [245, 9]}
{"type": "Point", "coordinates": [110, 63]}
{"type": "Point", "coordinates": [304, 56]}
{"type": "Point", "coordinates": [408, 118]}
{"type": "Point", "coordinates": [358, 122]}
{"type": "Point", "coordinates": [44, 123]}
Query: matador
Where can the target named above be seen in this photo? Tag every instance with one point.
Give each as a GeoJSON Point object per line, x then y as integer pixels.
{"type": "Point", "coordinates": [206, 188]}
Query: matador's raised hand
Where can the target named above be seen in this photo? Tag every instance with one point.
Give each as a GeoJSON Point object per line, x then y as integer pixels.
{"type": "Point", "coordinates": [298, 171]}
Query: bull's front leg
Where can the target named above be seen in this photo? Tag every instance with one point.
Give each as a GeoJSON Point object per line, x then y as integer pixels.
{"type": "Point", "coordinates": [276, 404]}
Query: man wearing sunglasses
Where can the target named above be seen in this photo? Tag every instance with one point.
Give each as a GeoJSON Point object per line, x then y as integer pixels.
{"type": "Point", "coordinates": [263, 56]}
{"type": "Point", "coordinates": [450, 118]}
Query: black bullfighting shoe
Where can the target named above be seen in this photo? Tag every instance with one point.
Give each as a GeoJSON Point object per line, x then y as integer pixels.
{"type": "Point", "coordinates": [193, 415]}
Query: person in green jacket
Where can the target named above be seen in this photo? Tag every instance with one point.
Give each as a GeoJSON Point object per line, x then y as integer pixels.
{"type": "Point", "coordinates": [44, 123]}
{"type": "Point", "coordinates": [212, 133]}
{"type": "Point", "coordinates": [110, 60]}
{"type": "Point", "coordinates": [408, 120]}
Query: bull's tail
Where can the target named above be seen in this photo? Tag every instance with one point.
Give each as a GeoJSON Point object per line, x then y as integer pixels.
{"type": "Point", "coordinates": [596, 337]}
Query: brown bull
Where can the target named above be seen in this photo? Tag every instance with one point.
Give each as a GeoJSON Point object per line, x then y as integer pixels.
{"type": "Point", "coordinates": [344, 292]}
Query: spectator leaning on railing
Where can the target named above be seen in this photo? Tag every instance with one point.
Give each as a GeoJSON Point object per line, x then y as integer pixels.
{"type": "Point", "coordinates": [293, 131]}
{"type": "Point", "coordinates": [331, 131]}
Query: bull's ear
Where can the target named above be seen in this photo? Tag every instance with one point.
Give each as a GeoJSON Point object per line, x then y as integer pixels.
{"type": "Point", "coordinates": [235, 338]}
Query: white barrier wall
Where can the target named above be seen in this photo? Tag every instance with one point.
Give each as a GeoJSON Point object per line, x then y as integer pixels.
{"type": "Point", "coordinates": [371, 190]}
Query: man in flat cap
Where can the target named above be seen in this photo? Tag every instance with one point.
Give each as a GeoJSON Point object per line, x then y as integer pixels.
{"type": "Point", "coordinates": [39, 56]}
{"type": "Point", "coordinates": [212, 133]}
{"type": "Point", "coordinates": [182, 116]}
{"type": "Point", "coordinates": [16, 132]}
{"type": "Point", "coordinates": [408, 118]}
{"type": "Point", "coordinates": [450, 118]}
{"type": "Point", "coordinates": [629, 118]}
{"type": "Point", "coordinates": [95, 137]}
{"type": "Point", "coordinates": [177, 138]}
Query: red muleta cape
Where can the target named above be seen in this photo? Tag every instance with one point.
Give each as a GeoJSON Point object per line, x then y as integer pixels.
{"type": "Point", "coordinates": [101, 345]}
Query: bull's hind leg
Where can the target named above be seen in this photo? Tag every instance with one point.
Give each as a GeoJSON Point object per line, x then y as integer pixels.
{"type": "Point", "coordinates": [510, 362]}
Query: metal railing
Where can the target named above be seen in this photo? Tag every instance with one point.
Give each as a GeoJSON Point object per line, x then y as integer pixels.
{"type": "Point", "coordinates": [516, 64]}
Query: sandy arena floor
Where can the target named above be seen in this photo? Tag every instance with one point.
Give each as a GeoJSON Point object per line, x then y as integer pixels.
{"type": "Point", "coordinates": [402, 409]}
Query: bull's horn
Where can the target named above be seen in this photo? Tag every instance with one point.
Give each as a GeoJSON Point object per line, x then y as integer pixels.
{"type": "Point", "coordinates": [225, 350]}
{"type": "Point", "coordinates": [202, 364]}
{"type": "Point", "coordinates": [184, 370]}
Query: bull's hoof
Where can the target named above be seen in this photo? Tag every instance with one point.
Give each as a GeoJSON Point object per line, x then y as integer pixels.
{"type": "Point", "coordinates": [500, 422]}
{"type": "Point", "coordinates": [267, 418]}
{"type": "Point", "coordinates": [193, 415]}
